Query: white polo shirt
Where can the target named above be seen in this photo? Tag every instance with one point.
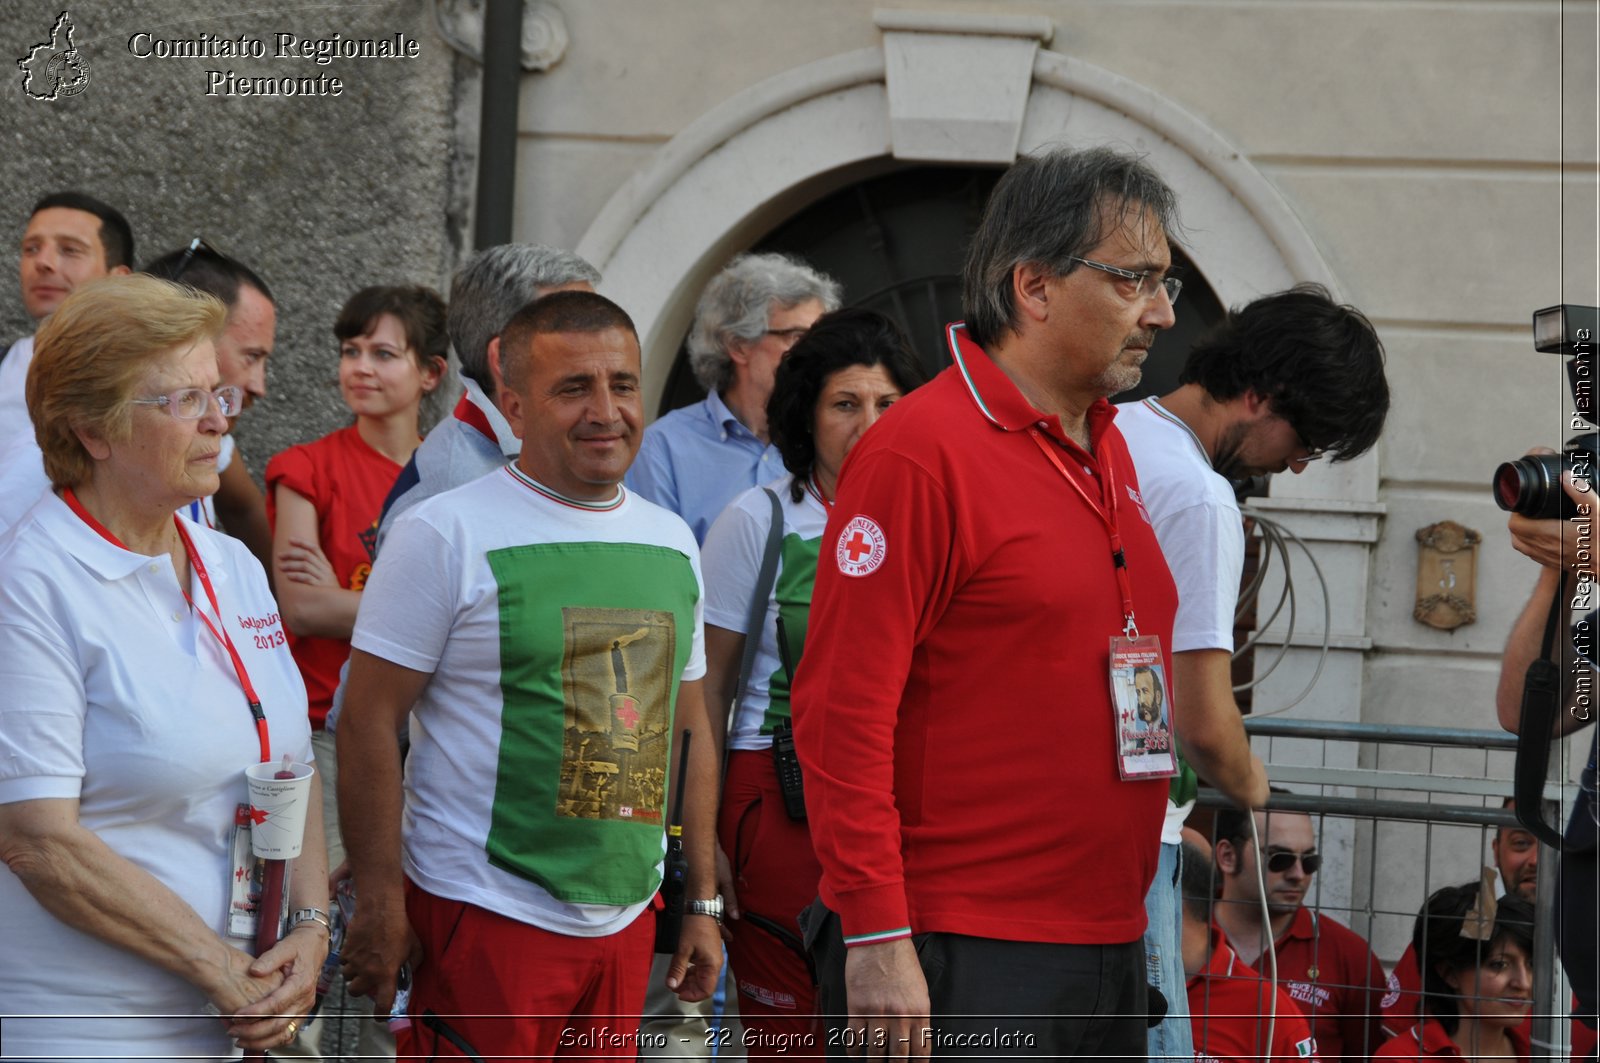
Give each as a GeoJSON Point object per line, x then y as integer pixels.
{"type": "Point", "coordinates": [113, 693]}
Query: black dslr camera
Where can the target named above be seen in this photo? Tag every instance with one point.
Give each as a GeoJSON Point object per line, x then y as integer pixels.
{"type": "Point", "coordinates": [1531, 486]}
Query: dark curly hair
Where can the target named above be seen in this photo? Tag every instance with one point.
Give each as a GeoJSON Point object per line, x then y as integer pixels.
{"type": "Point", "coordinates": [1318, 363]}
{"type": "Point", "coordinates": [420, 311]}
{"type": "Point", "coordinates": [1439, 944]}
{"type": "Point", "coordinates": [837, 341]}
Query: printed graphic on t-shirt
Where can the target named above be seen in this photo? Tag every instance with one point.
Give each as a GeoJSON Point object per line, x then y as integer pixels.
{"type": "Point", "coordinates": [616, 677]}
{"type": "Point", "coordinates": [587, 689]}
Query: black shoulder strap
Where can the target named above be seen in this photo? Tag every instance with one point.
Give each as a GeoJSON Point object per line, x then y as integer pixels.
{"type": "Point", "coordinates": [1541, 701]}
{"type": "Point", "coordinates": [757, 617]}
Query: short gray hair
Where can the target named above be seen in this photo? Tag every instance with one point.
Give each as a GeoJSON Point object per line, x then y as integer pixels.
{"type": "Point", "coordinates": [1048, 209]}
{"type": "Point", "coordinates": [738, 302]}
{"type": "Point", "coordinates": [492, 286]}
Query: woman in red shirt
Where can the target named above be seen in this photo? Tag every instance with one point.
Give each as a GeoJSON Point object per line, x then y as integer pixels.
{"type": "Point", "coordinates": [324, 498]}
{"type": "Point", "coordinates": [1475, 992]}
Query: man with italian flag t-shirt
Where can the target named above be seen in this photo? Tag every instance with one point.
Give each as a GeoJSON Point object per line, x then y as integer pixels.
{"type": "Point", "coordinates": [543, 628]}
{"type": "Point", "coordinates": [985, 834]}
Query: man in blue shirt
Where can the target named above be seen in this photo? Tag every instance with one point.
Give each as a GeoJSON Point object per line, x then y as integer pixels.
{"type": "Point", "coordinates": [695, 460]}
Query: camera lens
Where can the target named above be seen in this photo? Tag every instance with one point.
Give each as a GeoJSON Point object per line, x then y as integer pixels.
{"type": "Point", "coordinates": [1531, 486]}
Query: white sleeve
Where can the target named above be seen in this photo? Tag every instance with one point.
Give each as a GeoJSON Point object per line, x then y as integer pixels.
{"type": "Point", "coordinates": [44, 709]}
{"type": "Point", "coordinates": [1204, 546]}
{"type": "Point", "coordinates": [695, 666]}
{"type": "Point", "coordinates": [732, 557]}
{"type": "Point", "coordinates": [412, 596]}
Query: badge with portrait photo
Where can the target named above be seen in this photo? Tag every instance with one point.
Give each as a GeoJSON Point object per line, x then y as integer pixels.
{"type": "Point", "coordinates": [244, 886]}
{"type": "Point", "coordinates": [1141, 705]}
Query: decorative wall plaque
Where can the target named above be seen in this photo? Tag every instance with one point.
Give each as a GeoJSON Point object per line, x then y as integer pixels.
{"type": "Point", "coordinates": [1447, 575]}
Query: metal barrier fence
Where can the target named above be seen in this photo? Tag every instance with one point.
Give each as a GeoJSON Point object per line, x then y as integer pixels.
{"type": "Point", "coordinates": [1415, 813]}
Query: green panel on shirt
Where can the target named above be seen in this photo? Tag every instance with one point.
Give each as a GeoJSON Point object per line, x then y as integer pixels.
{"type": "Point", "coordinates": [593, 638]}
{"type": "Point", "coordinates": [797, 577]}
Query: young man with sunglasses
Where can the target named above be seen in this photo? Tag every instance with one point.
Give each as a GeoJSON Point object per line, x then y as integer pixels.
{"type": "Point", "coordinates": [1327, 968]}
{"type": "Point", "coordinates": [1278, 384]}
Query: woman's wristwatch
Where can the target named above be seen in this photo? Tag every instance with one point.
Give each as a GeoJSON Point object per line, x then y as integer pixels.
{"type": "Point", "coordinates": [302, 916]}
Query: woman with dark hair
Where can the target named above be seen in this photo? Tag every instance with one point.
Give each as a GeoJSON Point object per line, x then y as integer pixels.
{"type": "Point", "coordinates": [834, 383]}
{"type": "Point", "coordinates": [324, 498]}
{"type": "Point", "coordinates": [1477, 978]}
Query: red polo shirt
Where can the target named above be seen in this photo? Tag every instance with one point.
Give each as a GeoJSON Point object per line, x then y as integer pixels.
{"type": "Point", "coordinates": [953, 713]}
{"type": "Point", "coordinates": [1228, 1009]}
{"type": "Point", "coordinates": [1427, 1040]}
{"type": "Point", "coordinates": [1329, 971]}
{"type": "Point", "coordinates": [1402, 1007]}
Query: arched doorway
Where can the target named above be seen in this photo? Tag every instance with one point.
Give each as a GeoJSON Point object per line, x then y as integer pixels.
{"type": "Point", "coordinates": [896, 242]}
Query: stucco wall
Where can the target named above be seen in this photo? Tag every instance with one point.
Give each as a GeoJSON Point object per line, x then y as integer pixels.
{"type": "Point", "coordinates": [320, 195]}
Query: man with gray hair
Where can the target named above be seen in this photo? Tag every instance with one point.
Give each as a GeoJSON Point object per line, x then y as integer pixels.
{"type": "Point", "coordinates": [988, 579]}
{"type": "Point", "coordinates": [475, 439]}
{"type": "Point", "coordinates": [695, 460]}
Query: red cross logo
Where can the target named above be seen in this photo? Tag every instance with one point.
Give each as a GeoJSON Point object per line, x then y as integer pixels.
{"type": "Point", "coordinates": [628, 714]}
{"type": "Point", "coordinates": [861, 547]}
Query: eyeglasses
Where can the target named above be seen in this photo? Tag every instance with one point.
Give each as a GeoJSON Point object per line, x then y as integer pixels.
{"type": "Point", "coordinates": [790, 336]}
{"type": "Point", "coordinates": [191, 404]}
{"type": "Point", "coordinates": [1148, 281]}
{"type": "Point", "coordinates": [1309, 453]}
{"type": "Point", "coordinates": [1281, 860]}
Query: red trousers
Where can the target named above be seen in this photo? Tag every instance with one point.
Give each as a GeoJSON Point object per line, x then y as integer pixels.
{"type": "Point", "coordinates": [492, 986]}
{"type": "Point", "coordinates": [776, 873]}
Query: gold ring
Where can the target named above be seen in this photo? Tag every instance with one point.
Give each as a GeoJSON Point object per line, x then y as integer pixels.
{"type": "Point", "coordinates": [293, 1028]}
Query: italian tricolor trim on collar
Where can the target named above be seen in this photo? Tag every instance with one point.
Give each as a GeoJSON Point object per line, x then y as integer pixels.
{"type": "Point", "coordinates": [555, 496]}
{"type": "Point", "coordinates": [966, 374]}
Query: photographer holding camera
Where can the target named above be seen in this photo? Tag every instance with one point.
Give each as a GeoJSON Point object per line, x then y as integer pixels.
{"type": "Point", "coordinates": [1552, 522]}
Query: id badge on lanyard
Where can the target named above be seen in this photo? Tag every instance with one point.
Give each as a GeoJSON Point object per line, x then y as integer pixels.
{"type": "Point", "coordinates": [1141, 697]}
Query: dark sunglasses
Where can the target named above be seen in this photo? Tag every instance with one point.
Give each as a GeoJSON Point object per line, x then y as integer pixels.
{"type": "Point", "coordinates": [1281, 860]}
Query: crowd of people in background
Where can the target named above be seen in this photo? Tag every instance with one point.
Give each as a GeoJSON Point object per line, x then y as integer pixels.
{"type": "Point", "coordinates": [810, 678]}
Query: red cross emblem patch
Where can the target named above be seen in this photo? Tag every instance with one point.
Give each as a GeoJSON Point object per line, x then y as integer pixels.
{"type": "Point", "coordinates": [862, 546]}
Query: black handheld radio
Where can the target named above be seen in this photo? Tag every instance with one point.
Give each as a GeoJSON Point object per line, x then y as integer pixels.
{"type": "Point", "coordinates": [675, 870]}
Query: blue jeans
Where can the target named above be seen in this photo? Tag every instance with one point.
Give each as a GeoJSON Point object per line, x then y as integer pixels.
{"type": "Point", "coordinates": [1174, 1038]}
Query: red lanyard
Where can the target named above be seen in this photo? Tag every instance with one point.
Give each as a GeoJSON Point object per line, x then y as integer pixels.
{"type": "Point", "coordinates": [1106, 510]}
{"type": "Point", "coordinates": [260, 717]}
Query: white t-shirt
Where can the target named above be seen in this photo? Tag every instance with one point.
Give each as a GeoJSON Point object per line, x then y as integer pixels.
{"type": "Point", "coordinates": [522, 794]}
{"type": "Point", "coordinates": [116, 695]}
{"type": "Point", "coordinates": [731, 557]}
{"type": "Point", "coordinates": [1201, 533]}
{"type": "Point", "coordinates": [13, 385]}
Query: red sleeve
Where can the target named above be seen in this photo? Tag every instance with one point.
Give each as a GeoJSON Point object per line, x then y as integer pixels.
{"type": "Point", "coordinates": [297, 470]}
{"type": "Point", "coordinates": [1291, 1036]}
{"type": "Point", "coordinates": [860, 643]}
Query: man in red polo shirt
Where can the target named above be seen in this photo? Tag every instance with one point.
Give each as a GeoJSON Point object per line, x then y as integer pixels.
{"type": "Point", "coordinates": [1327, 968]}
{"type": "Point", "coordinates": [985, 811]}
{"type": "Point", "coordinates": [1228, 998]}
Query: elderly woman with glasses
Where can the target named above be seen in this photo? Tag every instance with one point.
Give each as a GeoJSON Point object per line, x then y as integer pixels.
{"type": "Point", "coordinates": [145, 668]}
{"type": "Point", "coordinates": [841, 376]}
